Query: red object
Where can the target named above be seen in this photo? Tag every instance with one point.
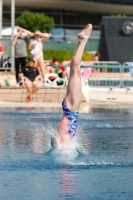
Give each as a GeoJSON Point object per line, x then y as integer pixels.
{"type": "Point", "coordinates": [1, 49]}
{"type": "Point", "coordinates": [62, 68]}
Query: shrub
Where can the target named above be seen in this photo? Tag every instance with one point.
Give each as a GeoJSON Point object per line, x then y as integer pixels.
{"type": "Point", "coordinates": [63, 55]}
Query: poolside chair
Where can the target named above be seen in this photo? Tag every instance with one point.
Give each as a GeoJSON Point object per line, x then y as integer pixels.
{"type": "Point", "coordinates": [56, 83]}
{"type": "Point", "coordinates": [53, 84]}
{"type": "Point", "coordinates": [5, 62]}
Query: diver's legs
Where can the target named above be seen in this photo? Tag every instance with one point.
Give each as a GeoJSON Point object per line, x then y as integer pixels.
{"type": "Point", "coordinates": [74, 90]}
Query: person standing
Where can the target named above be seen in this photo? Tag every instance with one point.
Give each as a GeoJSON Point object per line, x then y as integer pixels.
{"type": "Point", "coordinates": [21, 50]}
{"type": "Point", "coordinates": [36, 49]}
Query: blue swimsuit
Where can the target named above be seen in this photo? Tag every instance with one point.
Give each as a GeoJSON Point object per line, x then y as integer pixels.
{"type": "Point", "coordinates": [72, 119]}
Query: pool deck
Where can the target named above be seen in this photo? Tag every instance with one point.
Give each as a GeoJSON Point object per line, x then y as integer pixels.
{"type": "Point", "coordinates": [112, 97]}
{"type": "Point", "coordinates": [98, 97]}
{"type": "Point", "coordinates": [12, 97]}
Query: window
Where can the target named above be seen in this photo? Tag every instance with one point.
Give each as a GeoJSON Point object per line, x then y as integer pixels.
{"type": "Point", "coordinates": [58, 35]}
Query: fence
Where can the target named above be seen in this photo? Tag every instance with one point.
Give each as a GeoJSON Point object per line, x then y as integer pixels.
{"type": "Point", "coordinates": [111, 75]}
{"type": "Point", "coordinates": [127, 74]}
{"type": "Point", "coordinates": [105, 74]}
{"type": "Point", "coordinates": [5, 58]}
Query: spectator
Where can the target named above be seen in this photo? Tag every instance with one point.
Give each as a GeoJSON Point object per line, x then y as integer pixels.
{"type": "Point", "coordinates": [21, 50]}
{"type": "Point", "coordinates": [59, 69]}
{"type": "Point", "coordinates": [96, 57]}
{"type": "Point", "coordinates": [32, 79]}
{"type": "Point", "coordinates": [54, 61]}
{"type": "Point", "coordinates": [36, 49]}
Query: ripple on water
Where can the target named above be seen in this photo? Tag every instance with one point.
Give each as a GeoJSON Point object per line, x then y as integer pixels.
{"type": "Point", "coordinates": [101, 158]}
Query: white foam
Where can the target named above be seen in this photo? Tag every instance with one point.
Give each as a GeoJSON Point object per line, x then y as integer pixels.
{"type": "Point", "coordinates": [68, 152]}
{"type": "Point", "coordinates": [81, 163]}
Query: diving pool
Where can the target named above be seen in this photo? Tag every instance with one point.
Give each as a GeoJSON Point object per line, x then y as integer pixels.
{"type": "Point", "coordinates": [102, 170]}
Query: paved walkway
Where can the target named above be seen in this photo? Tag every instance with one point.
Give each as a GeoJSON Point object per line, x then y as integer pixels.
{"type": "Point", "coordinates": [118, 97]}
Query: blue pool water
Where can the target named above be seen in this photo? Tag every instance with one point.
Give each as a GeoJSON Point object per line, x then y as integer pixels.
{"type": "Point", "coordinates": [31, 170]}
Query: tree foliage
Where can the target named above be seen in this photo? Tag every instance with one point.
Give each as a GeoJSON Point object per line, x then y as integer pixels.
{"type": "Point", "coordinates": [35, 21]}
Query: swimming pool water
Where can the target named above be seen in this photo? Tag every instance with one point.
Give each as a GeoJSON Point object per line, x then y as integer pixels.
{"type": "Point", "coordinates": [102, 170]}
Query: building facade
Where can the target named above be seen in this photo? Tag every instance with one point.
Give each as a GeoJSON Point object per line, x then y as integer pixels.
{"type": "Point", "coordinates": [71, 16]}
{"type": "Point", "coordinates": [70, 13]}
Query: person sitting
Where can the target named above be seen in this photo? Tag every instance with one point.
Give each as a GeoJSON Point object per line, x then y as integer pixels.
{"type": "Point", "coordinates": [32, 79]}
{"type": "Point", "coordinates": [54, 61]}
{"type": "Point", "coordinates": [55, 67]}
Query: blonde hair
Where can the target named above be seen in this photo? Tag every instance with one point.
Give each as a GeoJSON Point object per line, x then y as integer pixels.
{"type": "Point", "coordinates": [36, 31]}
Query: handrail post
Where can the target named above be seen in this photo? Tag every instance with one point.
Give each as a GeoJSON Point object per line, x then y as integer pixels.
{"type": "Point", "coordinates": [121, 78]}
{"type": "Point", "coordinates": [1, 14]}
{"type": "Point", "coordinates": [12, 35]}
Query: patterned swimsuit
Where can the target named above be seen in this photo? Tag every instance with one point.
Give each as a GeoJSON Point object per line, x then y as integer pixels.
{"type": "Point", "coordinates": [72, 118]}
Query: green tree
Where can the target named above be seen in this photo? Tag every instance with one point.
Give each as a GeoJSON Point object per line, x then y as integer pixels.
{"type": "Point", "coordinates": [35, 21]}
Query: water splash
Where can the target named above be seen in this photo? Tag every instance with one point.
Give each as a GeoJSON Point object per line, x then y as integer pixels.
{"type": "Point", "coordinates": [60, 153]}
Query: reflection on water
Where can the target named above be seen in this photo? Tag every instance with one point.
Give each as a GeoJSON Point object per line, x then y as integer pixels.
{"type": "Point", "coordinates": [31, 169]}
{"type": "Point", "coordinates": [67, 184]}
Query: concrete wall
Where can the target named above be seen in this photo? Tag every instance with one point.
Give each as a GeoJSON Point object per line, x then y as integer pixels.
{"type": "Point", "coordinates": [19, 94]}
{"type": "Point", "coordinates": [13, 94]}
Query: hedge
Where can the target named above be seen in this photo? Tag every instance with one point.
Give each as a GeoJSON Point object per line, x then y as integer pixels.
{"type": "Point", "coordinates": [64, 55]}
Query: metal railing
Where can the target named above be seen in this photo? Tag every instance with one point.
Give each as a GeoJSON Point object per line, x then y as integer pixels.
{"type": "Point", "coordinates": [5, 58]}
{"type": "Point", "coordinates": [105, 74]}
{"type": "Point", "coordinates": [127, 74]}
{"type": "Point", "coordinates": [111, 75]}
